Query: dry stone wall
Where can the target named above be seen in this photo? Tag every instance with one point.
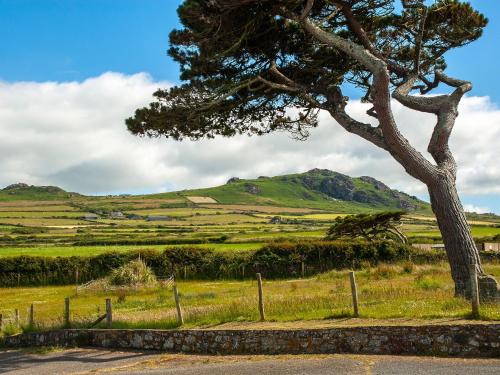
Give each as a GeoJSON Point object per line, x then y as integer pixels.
{"type": "Point", "coordinates": [475, 340]}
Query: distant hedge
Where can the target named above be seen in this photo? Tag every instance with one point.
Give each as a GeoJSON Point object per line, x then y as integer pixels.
{"type": "Point", "coordinates": [274, 260]}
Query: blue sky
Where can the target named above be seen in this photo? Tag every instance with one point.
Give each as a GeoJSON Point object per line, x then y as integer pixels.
{"type": "Point", "coordinates": [64, 40]}
{"type": "Point", "coordinates": [76, 40]}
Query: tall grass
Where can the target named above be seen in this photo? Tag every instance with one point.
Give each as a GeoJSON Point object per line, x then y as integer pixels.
{"type": "Point", "coordinates": [386, 291]}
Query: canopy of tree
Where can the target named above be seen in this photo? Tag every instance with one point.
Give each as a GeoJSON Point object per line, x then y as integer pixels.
{"type": "Point", "coordinates": [247, 62]}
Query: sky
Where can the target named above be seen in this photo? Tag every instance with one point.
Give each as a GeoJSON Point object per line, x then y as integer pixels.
{"type": "Point", "coordinates": [72, 70]}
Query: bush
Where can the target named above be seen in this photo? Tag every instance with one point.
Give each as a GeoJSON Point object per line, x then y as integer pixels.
{"type": "Point", "coordinates": [428, 283]}
{"type": "Point", "coordinates": [134, 273]}
{"type": "Point", "coordinates": [273, 260]}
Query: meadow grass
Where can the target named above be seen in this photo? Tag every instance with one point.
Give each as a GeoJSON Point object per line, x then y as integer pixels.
{"type": "Point", "coordinates": [67, 251]}
{"type": "Point", "coordinates": [387, 291]}
{"type": "Point", "coordinates": [477, 231]}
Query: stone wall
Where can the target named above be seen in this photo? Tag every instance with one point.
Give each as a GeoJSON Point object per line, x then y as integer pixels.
{"type": "Point", "coordinates": [478, 340]}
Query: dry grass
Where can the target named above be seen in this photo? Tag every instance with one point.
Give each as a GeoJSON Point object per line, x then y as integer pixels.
{"type": "Point", "coordinates": [202, 200]}
{"type": "Point", "coordinates": [395, 292]}
{"type": "Point", "coordinates": [257, 208]}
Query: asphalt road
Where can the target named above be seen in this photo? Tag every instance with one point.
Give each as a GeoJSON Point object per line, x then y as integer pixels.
{"type": "Point", "coordinates": [94, 361]}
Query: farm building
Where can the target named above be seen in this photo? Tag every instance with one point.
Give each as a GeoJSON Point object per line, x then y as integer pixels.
{"type": "Point", "coordinates": [277, 220]}
{"type": "Point", "coordinates": [491, 246]}
{"type": "Point", "coordinates": [117, 215]}
{"type": "Point", "coordinates": [428, 246]}
{"type": "Point", "coordinates": [134, 217]}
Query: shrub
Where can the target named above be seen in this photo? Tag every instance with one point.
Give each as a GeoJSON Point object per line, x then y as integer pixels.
{"type": "Point", "coordinates": [273, 260]}
{"type": "Point", "coordinates": [408, 267]}
{"type": "Point", "coordinates": [134, 273]}
{"type": "Point", "coordinates": [384, 271]}
{"type": "Point", "coordinates": [428, 283]}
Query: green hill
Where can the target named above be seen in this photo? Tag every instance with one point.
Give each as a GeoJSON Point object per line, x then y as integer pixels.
{"type": "Point", "coordinates": [317, 188]}
{"type": "Point", "coordinates": [21, 191]}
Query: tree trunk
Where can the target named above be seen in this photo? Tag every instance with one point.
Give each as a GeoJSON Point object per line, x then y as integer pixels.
{"type": "Point", "coordinates": [457, 238]}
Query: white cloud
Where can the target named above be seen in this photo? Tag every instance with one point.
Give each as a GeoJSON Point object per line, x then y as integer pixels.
{"type": "Point", "coordinates": [476, 209]}
{"type": "Point", "coordinates": [73, 135]}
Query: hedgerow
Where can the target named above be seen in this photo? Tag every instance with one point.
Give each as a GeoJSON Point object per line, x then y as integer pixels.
{"type": "Point", "coordinates": [273, 260]}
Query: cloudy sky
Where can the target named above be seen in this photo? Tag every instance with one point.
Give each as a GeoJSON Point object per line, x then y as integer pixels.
{"type": "Point", "coordinates": [72, 71]}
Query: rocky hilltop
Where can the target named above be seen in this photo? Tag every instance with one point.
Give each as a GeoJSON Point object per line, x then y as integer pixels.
{"type": "Point", "coordinates": [25, 191]}
{"type": "Point", "coordinates": [335, 186]}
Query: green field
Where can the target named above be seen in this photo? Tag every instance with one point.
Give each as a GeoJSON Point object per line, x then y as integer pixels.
{"type": "Point", "coordinates": [477, 231]}
{"type": "Point", "coordinates": [65, 251]}
{"type": "Point", "coordinates": [386, 291]}
{"type": "Point", "coordinates": [240, 221]}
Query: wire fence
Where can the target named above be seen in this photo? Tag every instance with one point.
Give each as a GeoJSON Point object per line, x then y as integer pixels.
{"type": "Point", "coordinates": [348, 299]}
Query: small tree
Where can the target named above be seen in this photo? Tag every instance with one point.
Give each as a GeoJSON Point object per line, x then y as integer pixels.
{"type": "Point", "coordinates": [382, 225]}
{"type": "Point", "coordinates": [258, 66]}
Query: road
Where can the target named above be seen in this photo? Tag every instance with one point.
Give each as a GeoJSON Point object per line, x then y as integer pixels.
{"type": "Point", "coordinates": [96, 361]}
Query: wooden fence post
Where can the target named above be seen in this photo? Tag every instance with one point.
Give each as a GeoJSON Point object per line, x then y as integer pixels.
{"type": "Point", "coordinates": [303, 268]}
{"type": "Point", "coordinates": [261, 298]}
{"type": "Point", "coordinates": [66, 312]}
{"type": "Point", "coordinates": [180, 318]}
{"type": "Point", "coordinates": [76, 282]}
{"type": "Point", "coordinates": [1, 322]}
{"type": "Point", "coordinates": [354, 292]}
{"type": "Point", "coordinates": [109, 313]}
{"type": "Point", "coordinates": [16, 317]}
{"type": "Point", "coordinates": [32, 316]}
{"type": "Point", "coordinates": [474, 291]}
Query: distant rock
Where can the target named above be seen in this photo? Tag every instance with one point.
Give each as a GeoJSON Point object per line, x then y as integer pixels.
{"type": "Point", "coordinates": [252, 189]}
{"type": "Point", "coordinates": [31, 191]}
{"type": "Point", "coordinates": [339, 186]}
{"type": "Point", "coordinates": [378, 185]}
{"type": "Point", "coordinates": [342, 187]}
{"type": "Point", "coordinates": [19, 185]}
{"type": "Point", "coordinates": [407, 205]}
{"type": "Point", "coordinates": [232, 180]}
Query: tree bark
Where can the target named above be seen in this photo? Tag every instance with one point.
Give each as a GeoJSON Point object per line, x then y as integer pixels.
{"type": "Point", "coordinates": [457, 237]}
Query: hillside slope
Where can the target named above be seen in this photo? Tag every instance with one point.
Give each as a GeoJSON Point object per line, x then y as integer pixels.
{"type": "Point", "coordinates": [320, 189]}
{"type": "Point", "coordinates": [21, 191]}
{"type": "Point", "coordinates": [317, 188]}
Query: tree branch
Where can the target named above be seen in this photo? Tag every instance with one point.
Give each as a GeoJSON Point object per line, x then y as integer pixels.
{"type": "Point", "coordinates": [386, 135]}
{"type": "Point", "coordinates": [417, 103]}
{"type": "Point", "coordinates": [357, 28]}
{"type": "Point", "coordinates": [336, 104]}
{"type": "Point", "coordinates": [413, 161]}
{"type": "Point", "coordinates": [419, 39]}
{"type": "Point", "coordinates": [354, 50]}
{"type": "Point", "coordinates": [307, 9]}
{"type": "Point", "coordinates": [438, 145]}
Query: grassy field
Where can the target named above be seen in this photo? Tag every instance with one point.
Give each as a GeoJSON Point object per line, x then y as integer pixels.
{"type": "Point", "coordinates": [49, 221]}
{"type": "Point", "coordinates": [32, 224]}
{"type": "Point", "coordinates": [386, 291]}
{"type": "Point", "coordinates": [49, 228]}
{"type": "Point", "coordinates": [65, 251]}
{"type": "Point", "coordinates": [477, 231]}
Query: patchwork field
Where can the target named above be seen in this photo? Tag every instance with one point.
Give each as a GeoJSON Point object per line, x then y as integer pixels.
{"type": "Point", "coordinates": [66, 228]}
